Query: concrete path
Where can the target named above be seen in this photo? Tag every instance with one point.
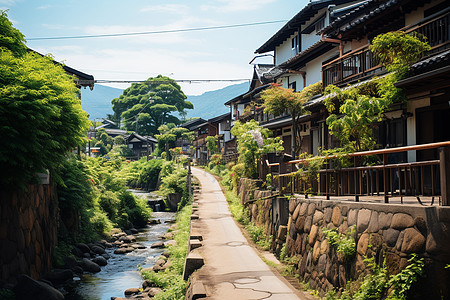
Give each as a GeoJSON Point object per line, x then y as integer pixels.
{"type": "Point", "coordinates": [232, 269]}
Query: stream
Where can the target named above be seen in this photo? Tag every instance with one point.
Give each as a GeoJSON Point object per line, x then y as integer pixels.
{"type": "Point", "coordinates": [121, 271]}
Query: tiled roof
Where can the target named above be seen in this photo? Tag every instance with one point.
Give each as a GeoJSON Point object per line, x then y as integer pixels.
{"type": "Point", "coordinates": [343, 18]}
{"type": "Point", "coordinates": [370, 15]}
{"type": "Point", "coordinates": [266, 73]}
{"type": "Point", "coordinates": [311, 50]}
{"type": "Point", "coordinates": [294, 24]}
{"type": "Point", "coordinates": [440, 60]}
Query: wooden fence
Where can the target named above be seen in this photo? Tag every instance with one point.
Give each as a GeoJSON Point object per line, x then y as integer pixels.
{"type": "Point", "coordinates": [418, 179]}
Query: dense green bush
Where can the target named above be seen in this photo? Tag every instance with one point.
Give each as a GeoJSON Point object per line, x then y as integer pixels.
{"type": "Point", "coordinates": [41, 115]}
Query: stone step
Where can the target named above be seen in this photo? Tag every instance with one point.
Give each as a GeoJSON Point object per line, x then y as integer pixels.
{"type": "Point", "coordinates": [194, 261]}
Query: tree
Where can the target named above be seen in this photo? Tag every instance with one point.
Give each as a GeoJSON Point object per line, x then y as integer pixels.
{"type": "Point", "coordinates": [252, 141]}
{"type": "Point", "coordinates": [11, 38]}
{"type": "Point", "coordinates": [278, 101]}
{"type": "Point", "coordinates": [357, 114]}
{"type": "Point", "coordinates": [169, 134]}
{"type": "Point", "coordinates": [40, 112]}
{"type": "Point", "coordinates": [144, 107]}
{"type": "Point", "coordinates": [211, 144]}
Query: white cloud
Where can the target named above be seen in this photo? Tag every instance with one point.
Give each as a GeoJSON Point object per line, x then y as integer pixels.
{"type": "Point", "coordinates": [236, 5]}
{"type": "Point", "coordinates": [43, 7]}
{"type": "Point", "coordinates": [8, 2]}
{"type": "Point", "coordinates": [167, 8]}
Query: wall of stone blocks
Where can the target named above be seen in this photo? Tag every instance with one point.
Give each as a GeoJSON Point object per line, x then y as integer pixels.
{"type": "Point", "coordinates": [28, 231]}
{"type": "Point", "coordinates": [390, 233]}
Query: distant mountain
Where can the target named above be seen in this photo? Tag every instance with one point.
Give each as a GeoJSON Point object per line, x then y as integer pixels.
{"type": "Point", "coordinates": [211, 104]}
{"type": "Point", "coordinates": [97, 103]}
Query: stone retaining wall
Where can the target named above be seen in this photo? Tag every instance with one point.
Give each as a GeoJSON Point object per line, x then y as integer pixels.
{"type": "Point", "coordinates": [28, 231]}
{"type": "Point", "coordinates": [384, 231]}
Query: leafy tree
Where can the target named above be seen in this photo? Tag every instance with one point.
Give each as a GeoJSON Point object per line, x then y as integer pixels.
{"type": "Point", "coordinates": [252, 141]}
{"type": "Point", "coordinates": [169, 134]}
{"type": "Point", "coordinates": [40, 113]}
{"type": "Point", "coordinates": [144, 107]}
{"type": "Point", "coordinates": [211, 144]}
{"type": "Point", "coordinates": [278, 101]}
{"type": "Point", "coordinates": [397, 50]}
{"type": "Point", "coordinates": [11, 38]}
{"type": "Point", "coordinates": [364, 105]}
{"type": "Point", "coordinates": [353, 124]}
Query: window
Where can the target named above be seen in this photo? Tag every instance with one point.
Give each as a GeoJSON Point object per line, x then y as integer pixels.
{"type": "Point", "coordinates": [295, 44]}
{"type": "Point", "coordinates": [320, 24]}
{"type": "Point", "coordinates": [293, 85]}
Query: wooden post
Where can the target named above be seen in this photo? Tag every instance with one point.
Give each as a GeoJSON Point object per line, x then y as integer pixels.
{"type": "Point", "coordinates": [385, 178]}
{"type": "Point", "coordinates": [281, 170]}
{"type": "Point", "coordinates": [444, 168]}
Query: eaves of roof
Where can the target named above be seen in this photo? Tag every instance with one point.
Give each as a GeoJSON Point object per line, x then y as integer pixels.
{"type": "Point", "coordinates": [340, 20]}
{"type": "Point", "coordinates": [294, 24]}
{"type": "Point", "coordinates": [438, 60]}
{"type": "Point", "coordinates": [220, 118]}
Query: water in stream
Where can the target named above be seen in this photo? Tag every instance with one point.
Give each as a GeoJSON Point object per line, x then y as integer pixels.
{"type": "Point", "coordinates": [121, 271]}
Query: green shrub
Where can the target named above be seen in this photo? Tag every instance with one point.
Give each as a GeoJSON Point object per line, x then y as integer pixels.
{"type": "Point", "coordinates": [343, 243]}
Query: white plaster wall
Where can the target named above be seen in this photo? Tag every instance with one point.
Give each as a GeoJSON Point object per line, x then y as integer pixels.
{"type": "Point", "coordinates": [314, 68]}
{"type": "Point", "coordinates": [411, 125]}
{"type": "Point", "coordinates": [285, 51]}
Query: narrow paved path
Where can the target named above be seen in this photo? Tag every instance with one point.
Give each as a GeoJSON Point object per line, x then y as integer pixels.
{"type": "Point", "coordinates": [233, 270]}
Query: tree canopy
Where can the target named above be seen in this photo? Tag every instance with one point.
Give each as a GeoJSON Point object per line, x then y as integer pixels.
{"type": "Point", "coordinates": [144, 107]}
{"type": "Point", "coordinates": [40, 111]}
{"type": "Point", "coordinates": [278, 101]}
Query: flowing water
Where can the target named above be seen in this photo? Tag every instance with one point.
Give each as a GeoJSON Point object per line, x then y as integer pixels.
{"type": "Point", "coordinates": [121, 271]}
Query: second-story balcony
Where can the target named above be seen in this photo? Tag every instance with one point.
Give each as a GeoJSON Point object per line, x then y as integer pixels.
{"type": "Point", "coordinates": [361, 63]}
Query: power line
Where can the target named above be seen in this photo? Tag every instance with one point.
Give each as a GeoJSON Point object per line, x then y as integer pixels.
{"type": "Point", "coordinates": [153, 32]}
{"type": "Point", "coordinates": [170, 81]}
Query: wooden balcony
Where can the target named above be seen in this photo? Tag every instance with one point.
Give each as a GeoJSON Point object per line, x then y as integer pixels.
{"type": "Point", "coordinates": [361, 63]}
{"type": "Point", "coordinates": [424, 182]}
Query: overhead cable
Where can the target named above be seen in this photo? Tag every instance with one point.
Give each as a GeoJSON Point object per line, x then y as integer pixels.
{"type": "Point", "coordinates": [152, 32]}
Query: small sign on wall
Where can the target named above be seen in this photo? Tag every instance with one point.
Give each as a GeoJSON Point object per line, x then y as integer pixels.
{"type": "Point", "coordinates": [305, 128]}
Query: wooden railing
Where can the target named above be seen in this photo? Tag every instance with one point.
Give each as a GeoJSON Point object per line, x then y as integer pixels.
{"type": "Point", "coordinates": [418, 179]}
{"type": "Point", "coordinates": [352, 66]}
{"type": "Point", "coordinates": [361, 63]}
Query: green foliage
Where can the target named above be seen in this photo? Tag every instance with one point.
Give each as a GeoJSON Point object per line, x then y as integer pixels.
{"type": "Point", "coordinates": [397, 50]}
{"type": "Point", "coordinates": [171, 280]}
{"type": "Point", "coordinates": [211, 144]}
{"type": "Point", "coordinates": [144, 107]}
{"type": "Point", "coordinates": [258, 236]}
{"type": "Point", "coordinates": [343, 243]}
{"type": "Point", "coordinates": [238, 211]}
{"type": "Point", "coordinates": [169, 134]}
{"type": "Point", "coordinates": [381, 285]}
{"type": "Point", "coordinates": [252, 141]}
{"type": "Point", "coordinates": [357, 114]}
{"type": "Point", "coordinates": [7, 294]}
{"type": "Point", "coordinates": [403, 281]}
{"type": "Point", "coordinates": [41, 116]}
{"type": "Point", "coordinates": [11, 38]}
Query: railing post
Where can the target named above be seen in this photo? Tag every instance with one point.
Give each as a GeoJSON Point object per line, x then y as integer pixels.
{"type": "Point", "coordinates": [281, 170]}
{"type": "Point", "coordinates": [355, 177]}
{"type": "Point", "coordinates": [385, 178]}
{"type": "Point", "coordinates": [444, 166]}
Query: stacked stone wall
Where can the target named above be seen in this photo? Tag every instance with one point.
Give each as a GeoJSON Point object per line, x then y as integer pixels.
{"type": "Point", "coordinates": [28, 231]}
{"type": "Point", "coordinates": [389, 233]}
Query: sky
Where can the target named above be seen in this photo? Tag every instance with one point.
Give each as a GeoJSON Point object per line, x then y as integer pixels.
{"type": "Point", "coordinates": [206, 54]}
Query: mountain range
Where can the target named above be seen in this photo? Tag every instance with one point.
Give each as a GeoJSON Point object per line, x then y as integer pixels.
{"type": "Point", "coordinates": [97, 103]}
